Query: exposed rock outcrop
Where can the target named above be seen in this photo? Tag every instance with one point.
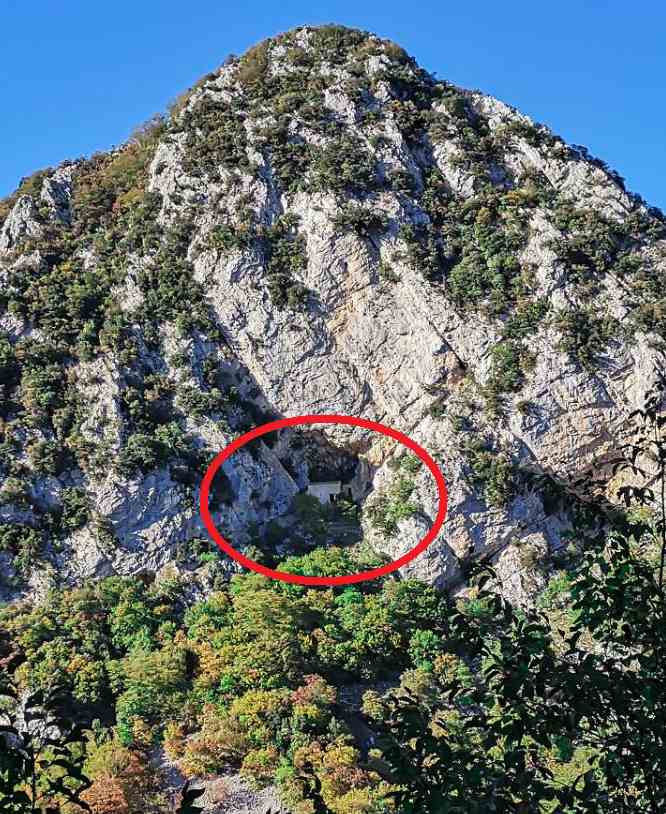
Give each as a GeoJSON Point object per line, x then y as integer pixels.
{"type": "Point", "coordinates": [353, 237]}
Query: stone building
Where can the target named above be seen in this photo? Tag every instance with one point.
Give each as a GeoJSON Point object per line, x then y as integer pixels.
{"type": "Point", "coordinates": [329, 491]}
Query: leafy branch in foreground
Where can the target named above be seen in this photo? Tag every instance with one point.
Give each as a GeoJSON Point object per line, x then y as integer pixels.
{"type": "Point", "coordinates": [40, 766]}
{"type": "Point", "coordinates": [562, 715]}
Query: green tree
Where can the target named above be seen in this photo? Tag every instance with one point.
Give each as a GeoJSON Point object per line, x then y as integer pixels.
{"type": "Point", "coordinates": [40, 766]}
{"type": "Point", "coordinates": [557, 720]}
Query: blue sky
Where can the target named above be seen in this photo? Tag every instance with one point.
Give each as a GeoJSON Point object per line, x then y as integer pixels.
{"type": "Point", "coordinates": [78, 76]}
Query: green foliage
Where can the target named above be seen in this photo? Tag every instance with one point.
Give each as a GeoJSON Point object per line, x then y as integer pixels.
{"type": "Point", "coordinates": [75, 508]}
{"type": "Point", "coordinates": [62, 300]}
{"type": "Point", "coordinates": [342, 165]}
{"type": "Point", "coordinates": [40, 766]}
{"type": "Point", "coordinates": [585, 333]}
{"type": "Point", "coordinates": [506, 374]}
{"type": "Point", "coordinates": [536, 135]}
{"type": "Point", "coordinates": [590, 243]}
{"type": "Point", "coordinates": [170, 291]}
{"type": "Point", "coordinates": [42, 382]}
{"type": "Point", "coordinates": [23, 542]}
{"type": "Point", "coordinates": [424, 645]}
{"type": "Point", "coordinates": [592, 246]}
{"type": "Point", "coordinates": [285, 258]}
{"type": "Point", "coordinates": [365, 222]}
{"type": "Point", "coordinates": [141, 452]}
{"type": "Point", "coordinates": [487, 236]}
{"type": "Point", "coordinates": [325, 562]}
{"type": "Point", "coordinates": [492, 470]}
{"type": "Point", "coordinates": [500, 739]}
{"type": "Point", "coordinates": [226, 237]}
{"type": "Point", "coordinates": [393, 505]}
{"type": "Point", "coordinates": [557, 591]}
{"type": "Point", "coordinates": [334, 42]}
{"type": "Point", "coordinates": [425, 251]}
{"type": "Point", "coordinates": [149, 687]}
{"type": "Point", "coordinates": [526, 318]}
{"type": "Point", "coordinates": [215, 137]}
{"type": "Point", "coordinates": [9, 364]}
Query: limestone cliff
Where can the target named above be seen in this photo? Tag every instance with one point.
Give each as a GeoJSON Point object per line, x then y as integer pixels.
{"type": "Point", "coordinates": [319, 226]}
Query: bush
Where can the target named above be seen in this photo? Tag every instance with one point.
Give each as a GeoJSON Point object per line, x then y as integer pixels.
{"type": "Point", "coordinates": [425, 250]}
{"type": "Point", "coordinates": [253, 65]}
{"type": "Point", "coordinates": [285, 258]}
{"type": "Point", "coordinates": [42, 388]}
{"type": "Point", "coordinates": [216, 137]}
{"type": "Point", "coordinates": [585, 333]}
{"type": "Point", "coordinates": [75, 508]}
{"type": "Point", "coordinates": [394, 505]}
{"type": "Point", "coordinates": [365, 222]}
{"type": "Point", "coordinates": [141, 452]}
{"type": "Point", "coordinates": [491, 470]}
{"type": "Point", "coordinates": [47, 457]}
{"type": "Point", "coordinates": [342, 165]}
{"type": "Point", "coordinates": [506, 374]}
{"type": "Point", "coordinates": [22, 541]}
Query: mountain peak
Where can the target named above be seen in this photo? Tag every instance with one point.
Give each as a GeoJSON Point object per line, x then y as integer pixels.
{"type": "Point", "coordinates": [318, 226]}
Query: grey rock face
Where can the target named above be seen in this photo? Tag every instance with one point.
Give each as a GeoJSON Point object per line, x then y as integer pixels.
{"type": "Point", "coordinates": [21, 222]}
{"type": "Point", "coordinates": [57, 192]}
{"type": "Point", "coordinates": [367, 345]}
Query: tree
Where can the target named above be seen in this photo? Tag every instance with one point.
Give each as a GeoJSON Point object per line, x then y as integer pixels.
{"type": "Point", "coordinates": [557, 720]}
{"type": "Point", "coordinates": [40, 767]}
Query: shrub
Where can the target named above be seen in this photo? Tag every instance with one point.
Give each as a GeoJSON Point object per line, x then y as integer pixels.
{"type": "Point", "coordinates": [15, 490]}
{"type": "Point", "coordinates": [394, 505]}
{"type": "Point", "coordinates": [424, 645]}
{"type": "Point", "coordinates": [151, 685]}
{"type": "Point", "coordinates": [365, 222]}
{"type": "Point", "coordinates": [47, 457]}
{"type": "Point", "coordinates": [253, 65]}
{"type": "Point", "coordinates": [492, 470]}
{"type": "Point", "coordinates": [506, 374]}
{"type": "Point", "coordinates": [526, 318]}
{"type": "Point", "coordinates": [24, 542]}
{"type": "Point", "coordinates": [75, 507]}
{"type": "Point", "coordinates": [9, 365]}
{"type": "Point", "coordinates": [585, 333]}
{"type": "Point", "coordinates": [425, 250]}
{"type": "Point", "coordinates": [259, 765]}
{"type": "Point", "coordinates": [334, 42]}
{"type": "Point", "coordinates": [227, 237]}
{"type": "Point", "coordinates": [141, 452]}
{"type": "Point", "coordinates": [342, 165]}
{"type": "Point", "coordinates": [285, 258]}
{"type": "Point", "coordinates": [42, 388]}
{"type": "Point", "coordinates": [216, 137]}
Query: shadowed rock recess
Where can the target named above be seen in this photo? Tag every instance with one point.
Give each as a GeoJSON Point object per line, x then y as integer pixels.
{"type": "Point", "coordinates": [316, 227]}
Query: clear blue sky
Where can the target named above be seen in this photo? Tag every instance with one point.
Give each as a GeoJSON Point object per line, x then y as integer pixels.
{"type": "Point", "coordinates": [78, 76]}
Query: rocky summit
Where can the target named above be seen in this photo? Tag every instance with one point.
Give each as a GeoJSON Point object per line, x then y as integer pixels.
{"type": "Point", "coordinates": [318, 227]}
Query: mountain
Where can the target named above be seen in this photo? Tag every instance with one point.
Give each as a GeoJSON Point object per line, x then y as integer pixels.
{"type": "Point", "coordinates": [319, 226]}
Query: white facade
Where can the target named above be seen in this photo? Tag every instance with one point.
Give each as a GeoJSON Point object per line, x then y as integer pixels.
{"type": "Point", "coordinates": [329, 491]}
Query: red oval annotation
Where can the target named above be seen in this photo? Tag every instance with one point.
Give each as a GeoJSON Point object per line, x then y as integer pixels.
{"type": "Point", "coordinates": [342, 579]}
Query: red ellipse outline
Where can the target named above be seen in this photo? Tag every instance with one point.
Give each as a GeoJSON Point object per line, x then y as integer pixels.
{"type": "Point", "coordinates": [301, 579]}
